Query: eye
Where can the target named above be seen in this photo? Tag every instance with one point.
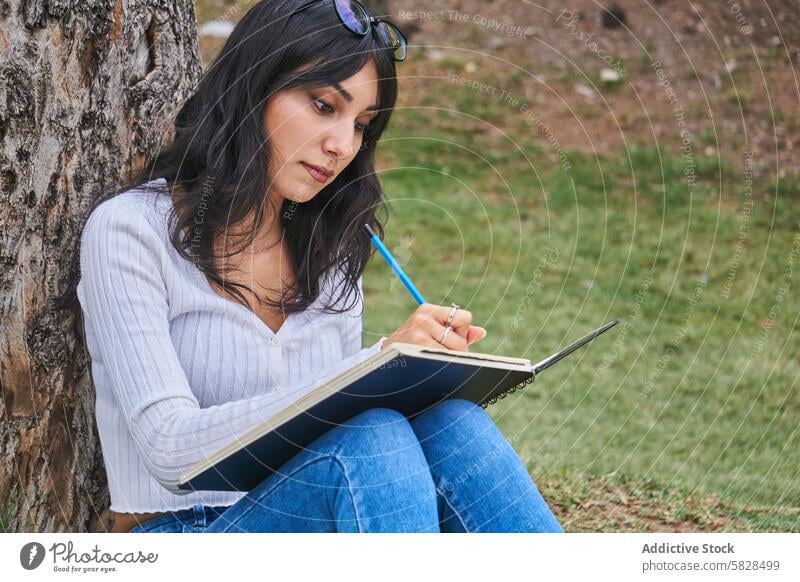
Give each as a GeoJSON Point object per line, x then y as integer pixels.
{"type": "Point", "coordinates": [323, 107]}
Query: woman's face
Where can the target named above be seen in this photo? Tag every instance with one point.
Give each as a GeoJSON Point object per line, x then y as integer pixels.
{"type": "Point", "coordinates": [317, 127]}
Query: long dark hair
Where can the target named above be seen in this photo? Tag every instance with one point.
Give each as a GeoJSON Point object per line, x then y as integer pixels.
{"type": "Point", "coordinates": [220, 154]}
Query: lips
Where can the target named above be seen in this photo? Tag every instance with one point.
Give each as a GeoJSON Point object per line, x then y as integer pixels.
{"type": "Point", "coordinates": [319, 174]}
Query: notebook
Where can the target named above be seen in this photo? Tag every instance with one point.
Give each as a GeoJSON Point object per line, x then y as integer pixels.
{"type": "Point", "coordinates": [406, 377]}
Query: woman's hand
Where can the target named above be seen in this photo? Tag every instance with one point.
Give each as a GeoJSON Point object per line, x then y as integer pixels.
{"type": "Point", "coordinates": [426, 326]}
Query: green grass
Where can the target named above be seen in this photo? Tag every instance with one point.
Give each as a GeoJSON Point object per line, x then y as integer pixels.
{"type": "Point", "coordinates": [698, 389]}
{"type": "Point", "coordinates": [613, 503]}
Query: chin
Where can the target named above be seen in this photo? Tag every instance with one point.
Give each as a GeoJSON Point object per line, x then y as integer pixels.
{"type": "Point", "coordinates": [300, 199]}
{"type": "Point", "coordinates": [295, 197]}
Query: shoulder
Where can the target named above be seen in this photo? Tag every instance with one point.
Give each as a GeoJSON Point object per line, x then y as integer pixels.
{"type": "Point", "coordinates": [139, 213]}
{"type": "Point", "coordinates": [145, 205]}
{"type": "Point", "coordinates": [150, 200]}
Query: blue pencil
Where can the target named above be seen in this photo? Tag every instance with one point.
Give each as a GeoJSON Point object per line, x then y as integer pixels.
{"type": "Point", "coordinates": [394, 265]}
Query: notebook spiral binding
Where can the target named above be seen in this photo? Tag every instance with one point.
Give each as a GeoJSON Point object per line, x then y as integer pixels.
{"type": "Point", "coordinates": [502, 395]}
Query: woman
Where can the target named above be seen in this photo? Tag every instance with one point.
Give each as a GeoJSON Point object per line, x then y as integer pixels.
{"type": "Point", "coordinates": [214, 285]}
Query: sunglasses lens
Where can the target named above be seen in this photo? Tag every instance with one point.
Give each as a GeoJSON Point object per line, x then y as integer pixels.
{"type": "Point", "coordinates": [354, 16]}
{"type": "Point", "coordinates": [392, 37]}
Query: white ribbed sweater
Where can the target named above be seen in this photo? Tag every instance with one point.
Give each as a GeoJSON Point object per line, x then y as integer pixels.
{"type": "Point", "coordinates": [178, 370]}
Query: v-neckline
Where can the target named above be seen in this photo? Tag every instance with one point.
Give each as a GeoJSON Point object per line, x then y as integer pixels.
{"type": "Point", "coordinates": [257, 321]}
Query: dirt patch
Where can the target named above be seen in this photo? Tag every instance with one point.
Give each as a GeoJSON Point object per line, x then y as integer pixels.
{"type": "Point", "coordinates": [720, 76]}
{"type": "Point", "coordinates": [592, 503]}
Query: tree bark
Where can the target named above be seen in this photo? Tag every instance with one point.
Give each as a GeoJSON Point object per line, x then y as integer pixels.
{"type": "Point", "coordinates": [86, 88]}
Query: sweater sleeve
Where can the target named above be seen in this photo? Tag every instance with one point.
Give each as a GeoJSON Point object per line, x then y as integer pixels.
{"type": "Point", "coordinates": [124, 297]}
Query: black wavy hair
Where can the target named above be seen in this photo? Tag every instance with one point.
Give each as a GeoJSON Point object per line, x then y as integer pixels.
{"type": "Point", "coordinates": [220, 142]}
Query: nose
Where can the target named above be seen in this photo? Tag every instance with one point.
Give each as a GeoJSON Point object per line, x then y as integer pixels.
{"type": "Point", "coordinates": [339, 141]}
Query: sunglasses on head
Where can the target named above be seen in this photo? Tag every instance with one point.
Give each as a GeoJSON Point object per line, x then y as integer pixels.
{"type": "Point", "coordinates": [357, 19]}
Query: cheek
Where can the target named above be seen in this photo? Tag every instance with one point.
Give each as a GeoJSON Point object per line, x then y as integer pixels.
{"type": "Point", "coordinates": [286, 126]}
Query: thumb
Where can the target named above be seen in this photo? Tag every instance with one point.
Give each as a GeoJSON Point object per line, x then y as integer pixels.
{"type": "Point", "coordinates": [475, 334]}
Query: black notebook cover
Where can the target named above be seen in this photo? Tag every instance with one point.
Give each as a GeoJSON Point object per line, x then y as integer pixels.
{"type": "Point", "coordinates": [408, 382]}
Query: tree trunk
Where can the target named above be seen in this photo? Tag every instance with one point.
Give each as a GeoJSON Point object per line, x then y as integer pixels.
{"type": "Point", "coordinates": [85, 89]}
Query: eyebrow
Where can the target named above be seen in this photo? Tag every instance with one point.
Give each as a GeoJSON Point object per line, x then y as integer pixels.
{"type": "Point", "coordinates": [349, 97]}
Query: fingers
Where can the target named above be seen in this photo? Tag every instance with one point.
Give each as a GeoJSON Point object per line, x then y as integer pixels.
{"type": "Point", "coordinates": [453, 341]}
{"type": "Point", "coordinates": [457, 342]}
{"type": "Point", "coordinates": [475, 334]}
{"type": "Point", "coordinates": [427, 331]}
{"type": "Point", "coordinates": [461, 334]}
{"type": "Point", "coordinates": [460, 322]}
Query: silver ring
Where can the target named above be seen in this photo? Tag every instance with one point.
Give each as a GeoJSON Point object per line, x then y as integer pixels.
{"type": "Point", "coordinates": [447, 329]}
{"type": "Point", "coordinates": [452, 314]}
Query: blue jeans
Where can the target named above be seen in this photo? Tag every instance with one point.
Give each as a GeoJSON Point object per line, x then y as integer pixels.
{"type": "Point", "coordinates": [450, 469]}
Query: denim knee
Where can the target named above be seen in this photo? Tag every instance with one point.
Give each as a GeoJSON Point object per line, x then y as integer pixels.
{"type": "Point", "coordinates": [456, 408]}
{"type": "Point", "coordinates": [377, 417]}
{"type": "Point", "coordinates": [376, 432]}
{"type": "Point", "coordinates": [448, 415]}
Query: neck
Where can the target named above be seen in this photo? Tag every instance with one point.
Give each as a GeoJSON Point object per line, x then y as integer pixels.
{"type": "Point", "coordinates": [270, 234]}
